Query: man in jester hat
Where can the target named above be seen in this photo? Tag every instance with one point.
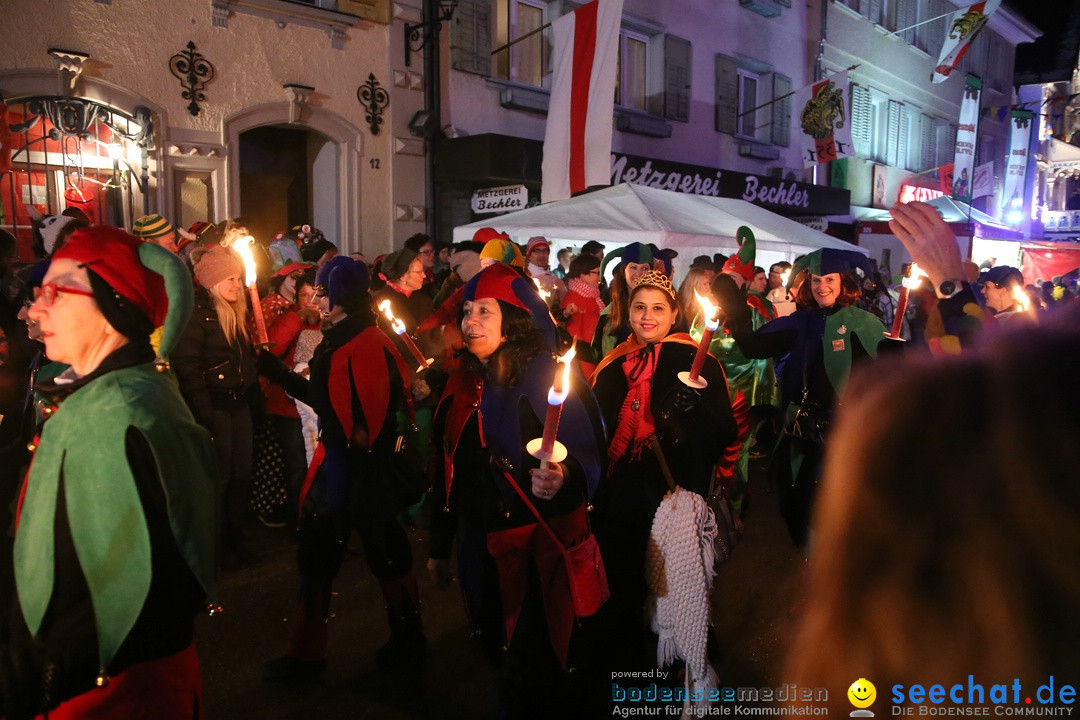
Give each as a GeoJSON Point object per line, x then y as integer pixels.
{"type": "Point", "coordinates": [116, 523]}
{"type": "Point", "coordinates": [823, 338]}
{"type": "Point", "coordinates": [751, 381]}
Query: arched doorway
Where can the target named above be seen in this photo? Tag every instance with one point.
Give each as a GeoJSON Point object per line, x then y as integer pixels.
{"type": "Point", "coordinates": [325, 150]}
{"type": "Point", "coordinates": [288, 177]}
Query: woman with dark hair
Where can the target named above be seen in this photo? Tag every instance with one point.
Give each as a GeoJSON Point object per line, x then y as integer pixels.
{"type": "Point", "coordinates": [421, 245]}
{"type": "Point", "coordinates": [115, 538]}
{"type": "Point", "coordinates": [515, 591]}
{"type": "Point", "coordinates": [649, 412]}
{"type": "Point", "coordinates": [581, 306]}
{"type": "Point", "coordinates": [614, 326]}
{"type": "Point", "coordinates": [357, 387]}
{"type": "Point", "coordinates": [824, 337]}
{"type": "Point", "coordinates": [215, 364]}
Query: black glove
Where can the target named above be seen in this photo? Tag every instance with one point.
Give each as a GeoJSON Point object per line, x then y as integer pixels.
{"type": "Point", "coordinates": [271, 367]}
{"type": "Point", "coordinates": [732, 301]}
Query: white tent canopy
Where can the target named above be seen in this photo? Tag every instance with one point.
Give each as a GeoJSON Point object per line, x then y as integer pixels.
{"type": "Point", "coordinates": [635, 213]}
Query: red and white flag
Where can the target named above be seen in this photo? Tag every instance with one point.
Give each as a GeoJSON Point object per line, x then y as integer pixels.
{"type": "Point", "coordinates": [963, 25]}
{"type": "Point", "coordinates": [577, 140]}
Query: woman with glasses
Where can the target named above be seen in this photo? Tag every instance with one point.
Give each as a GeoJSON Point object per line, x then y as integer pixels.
{"type": "Point", "coordinates": [424, 248]}
{"type": "Point", "coordinates": [215, 364]}
{"type": "Point", "coordinates": [115, 541]}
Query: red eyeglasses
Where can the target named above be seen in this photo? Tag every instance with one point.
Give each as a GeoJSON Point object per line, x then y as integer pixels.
{"type": "Point", "coordinates": [48, 292]}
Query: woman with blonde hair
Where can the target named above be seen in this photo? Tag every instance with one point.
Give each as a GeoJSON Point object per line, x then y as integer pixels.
{"type": "Point", "coordinates": [215, 364]}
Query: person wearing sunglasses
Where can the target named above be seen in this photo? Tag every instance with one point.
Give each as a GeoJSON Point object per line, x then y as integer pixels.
{"type": "Point", "coordinates": [115, 540]}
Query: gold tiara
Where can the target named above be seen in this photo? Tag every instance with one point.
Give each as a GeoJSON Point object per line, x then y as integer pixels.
{"type": "Point", "coordinates": [656, 279]}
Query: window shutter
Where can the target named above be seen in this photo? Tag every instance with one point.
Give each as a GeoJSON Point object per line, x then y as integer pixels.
{"type": "Point", "coordinates": [781, 111]}
{"type": "Point", "coordinates": [902, 140]}
{"type": "Point", "coordinates": [862, 118]}
{"type": "Point", "coordinates": [470, 37]}
{"type": "Point", "coordinates": [892, 135]}
{"type": "Point", "coordinates": [727, 94]}
{"type": "Point", "coordinates": [676, 78]}
{"type": "Point", "coordinates": [871, 10]}
{"type": "Point", "coordinates": [935, 35]}
{"type": "Point", "coordinates": [905, 18]}
{"type": "Point", "coordinates": [929, 143]}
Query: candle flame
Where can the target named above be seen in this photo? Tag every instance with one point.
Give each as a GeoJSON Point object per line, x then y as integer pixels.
{"type": "Point", "coordinates": [242, 245]}
{"type": "Point", "coordinates": [914, 277]}
{"type": "Point", "coordinates": [558, 397]}
{"type": "Point", "coordinates": [395, 323]}
{"type": "Point", "coordinates": [1020, 296]}
{"type": "Point", "coordinates": [544, 295]}
{"type": "Point", "coordinates": [710, 311]}
{"type": "Point", "coordinates": [784, 277]}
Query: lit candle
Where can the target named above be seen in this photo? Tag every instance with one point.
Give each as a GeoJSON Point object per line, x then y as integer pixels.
{"type": "Point", "coordinates": [399, 328]}
{"type": "Point", "coordinates": [911, 280]}
{"type": "Point", "coordinates": [712, 322]}
{"type": "Point", "coordinates": [560, 388]}
{"type": "Point", "coordinates": [1022, 300]}
{"type": "Point", "coordinates": [242, 245]}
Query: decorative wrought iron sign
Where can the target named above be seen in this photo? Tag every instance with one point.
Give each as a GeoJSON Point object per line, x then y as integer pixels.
{"type": "Point", "coordinates": [374, 100]}
{"type": "Point", "coordinates": [194, 72]}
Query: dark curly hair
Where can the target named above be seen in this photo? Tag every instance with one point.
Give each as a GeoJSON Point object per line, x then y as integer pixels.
{"type": "Point", "coordinates": [523, 342]}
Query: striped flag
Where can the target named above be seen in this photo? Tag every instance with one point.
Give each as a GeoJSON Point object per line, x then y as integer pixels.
{"type": "Point", "coordinates": [964, 25]}
{"type": "Point", "coordinates": [577, 139]}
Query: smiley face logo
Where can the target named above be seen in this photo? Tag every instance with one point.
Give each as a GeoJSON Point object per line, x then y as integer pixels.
{"type": "Point", "coordinates": [862, 693]}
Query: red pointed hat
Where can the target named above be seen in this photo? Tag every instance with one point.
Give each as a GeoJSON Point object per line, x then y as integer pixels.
{"type": "Point", "coordinates": [742, 263]}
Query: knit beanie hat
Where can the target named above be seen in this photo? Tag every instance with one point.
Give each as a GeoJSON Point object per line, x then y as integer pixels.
{"type": "Point", "coordinates": [634, 252]}
{"type": "Point", "coordinates": [536, 241]}
{"type": "Point", "coordinates": [152, 226]}
{"type": "Point", "coordinates": [138, 285]}
{"type": "Point", "coordinates": [346, 281]}
{"type": "Point", "coordinates": [214, 264]}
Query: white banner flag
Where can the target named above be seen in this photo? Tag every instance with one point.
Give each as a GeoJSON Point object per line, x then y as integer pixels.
{"type": "Point", "coordinates": [966, 132]}
{"type": "Point", "coordinates": [1012, 197]}
{"type": "Point", "coordinates": [824, 127]}
{"type": "Point", "coordinates": [984, 180]}
{"type": "Point", "coordinates": [963, 26]}
{"type": "Point", "coordinates": [577, 138]}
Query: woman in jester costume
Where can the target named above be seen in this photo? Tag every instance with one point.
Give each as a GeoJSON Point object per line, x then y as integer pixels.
{"type": "Point", "coordinates": [116, 526]}
{"type": "Point", "coordinates": [824, 336]}
{"type": "Point", "coordinates": [751, 381]}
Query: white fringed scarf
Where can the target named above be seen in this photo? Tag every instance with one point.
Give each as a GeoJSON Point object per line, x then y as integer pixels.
{"type": "Point", "coordinates": [680, 567]}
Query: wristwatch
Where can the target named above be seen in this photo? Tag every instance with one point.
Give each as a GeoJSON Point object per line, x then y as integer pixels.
{"type": "Point", "coordinates": [948, 288]}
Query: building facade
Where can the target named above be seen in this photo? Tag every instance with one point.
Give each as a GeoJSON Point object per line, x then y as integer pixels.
{"type": "Point", "coordinates": [279, 113]}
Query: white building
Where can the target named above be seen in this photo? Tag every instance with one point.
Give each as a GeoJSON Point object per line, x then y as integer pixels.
{"type": "Point", "coordinates": [272, 130]}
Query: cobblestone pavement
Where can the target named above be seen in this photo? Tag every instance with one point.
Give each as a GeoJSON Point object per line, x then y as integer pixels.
{"type": "Point", "coordinates": [755, 599]}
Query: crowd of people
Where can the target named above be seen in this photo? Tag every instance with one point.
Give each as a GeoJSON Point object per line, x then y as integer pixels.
{"type": "Point", "coordinates": [152, 413]}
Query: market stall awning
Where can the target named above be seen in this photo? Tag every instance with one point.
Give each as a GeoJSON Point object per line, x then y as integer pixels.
{"type": "Point", "coordinates": [957, 214]}
{"type": "Point", "coordinates": [633, 213]}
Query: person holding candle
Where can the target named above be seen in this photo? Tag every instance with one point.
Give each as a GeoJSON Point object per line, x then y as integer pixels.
{"type": "Point", "coordinates": [824, 337]}
{"type": "Point", "coordinates": [215, 364]}
{"type": "Point", "coordinates": [357, 386]}
{"type": "Point", "coordinates": [614, 326]}
{"type": "Point", "coordinates": [508, 565]}
{"type": "Point", "coordinates": [643, 403]}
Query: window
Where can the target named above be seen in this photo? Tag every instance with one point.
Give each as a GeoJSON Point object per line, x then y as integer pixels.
{"type": "Point", "coordinates": [928, 143]}
{"type": "Point", "coordinates": [470, 37]}
{"type": "Point", "coordinates": [742, 86]}
{"type": "Point", "coordinates": [946, 142]}
{"type": "Point", "coordinates": [527, 62]}
{"type": "Point", "coordinates": [909, 128]}
{"type": "Point", "coordinates": [748, 100]}
{"type": "Point", "coordinates": [630, 79]}
{"type": "Point", "coordinates": [869, 9]}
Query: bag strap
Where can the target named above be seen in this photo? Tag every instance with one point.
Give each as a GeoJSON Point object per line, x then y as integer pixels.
{"type": "Point", "coordinates": [532, 508]}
